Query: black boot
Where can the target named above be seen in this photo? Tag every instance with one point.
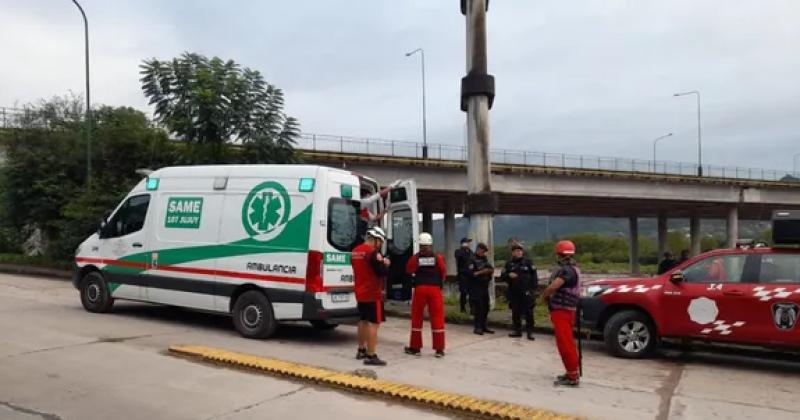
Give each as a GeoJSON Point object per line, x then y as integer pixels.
{"type": "Point", "coordinates": [373, 360]}
{"type": "Point", "coordinates": [565, 381]}
{"type": "Point", "coordinates": [531, 337]}
{"type": "Point", "coordinates": [515, 334]}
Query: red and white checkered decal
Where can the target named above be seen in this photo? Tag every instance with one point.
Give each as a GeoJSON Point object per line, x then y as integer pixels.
{"type": "Point", "coordinates": [639, 288]}
{"type": "Point", "coordinates": [765, 295]}
{"type": "Point", "coordinates": [722, 327]}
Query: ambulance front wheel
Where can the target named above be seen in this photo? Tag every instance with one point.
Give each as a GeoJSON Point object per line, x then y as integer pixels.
{"type": "Point", "coordinates": [253, 316]}
{"type": "Point", "coordinates": [95, 295]}
{"type": "Point", "coordinates": [630, 334]}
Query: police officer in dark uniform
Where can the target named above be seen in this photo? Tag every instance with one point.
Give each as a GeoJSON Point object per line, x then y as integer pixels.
{"type": "Point", "coordinates": [481, 271]}
{"type": "Point", "coordinates": [463, 258]}
{"type": "Point", "coordinates": [522, 280]}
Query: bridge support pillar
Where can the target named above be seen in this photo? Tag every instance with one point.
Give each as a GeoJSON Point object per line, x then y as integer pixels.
{"type": "Point", "coordinates": [662, 234]}
{"type": "Point", "coordinates": [694, 234]}
{"type": "Point", "coordinates": [450, 239]}
{"type": "Point", "coordinates": [633, 228]}
{"type": "Point", "coordinates": [733, 226]}
{"type": "Point", "coordinates": [427, 220]}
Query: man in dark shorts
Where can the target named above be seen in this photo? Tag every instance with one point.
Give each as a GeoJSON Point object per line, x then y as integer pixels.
{"type": "Point", "coordinates": [369, 270]}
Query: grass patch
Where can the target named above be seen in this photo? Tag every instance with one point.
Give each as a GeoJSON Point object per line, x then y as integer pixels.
{"type": "Point", "coordinates": [453, 315]}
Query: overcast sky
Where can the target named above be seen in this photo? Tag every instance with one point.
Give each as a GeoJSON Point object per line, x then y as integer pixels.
{"type": "Point", "coordinates": [591, 77]}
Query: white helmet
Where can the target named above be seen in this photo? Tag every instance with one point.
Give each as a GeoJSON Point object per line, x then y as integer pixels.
{"type": "Point", "coordinates": [425, 239]}
{"type": "Point", "coordinates": [377, 232]}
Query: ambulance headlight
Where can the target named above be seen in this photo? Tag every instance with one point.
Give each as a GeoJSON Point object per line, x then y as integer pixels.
{"type": "Point", "coordinates": [593, 290]}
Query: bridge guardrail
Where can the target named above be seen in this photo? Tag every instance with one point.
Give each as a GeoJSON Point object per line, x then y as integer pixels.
{"type": "Point", "coordinates": [13, 117]}
{"type": "Point", "coordinates": [410, 149]}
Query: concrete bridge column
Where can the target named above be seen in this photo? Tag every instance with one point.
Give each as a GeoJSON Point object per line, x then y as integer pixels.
{"type": "Point", "coordinates": [733, 226]}
{"type": "Point", "coordinates": [427, 220]}
{"type": "Point", "coordinates": [662, 234]}
{"type": "Point", "coordinates": [694, 233]}
{"type": "Point", "coordinates": [450, 239]}
{"type": "Point", "coordinates": [633, 223]}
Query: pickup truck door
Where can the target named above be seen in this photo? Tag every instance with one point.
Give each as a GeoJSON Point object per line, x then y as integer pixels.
{"type": "Point", "coordinates": [713, 302]}
{"type": "Point", "coordinates": [775, 300]}
{"type": "Point", "coordinates": [402, 226]}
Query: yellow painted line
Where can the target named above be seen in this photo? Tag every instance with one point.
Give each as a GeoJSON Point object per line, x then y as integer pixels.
{"type": "Point", "coordinates": [419, 395]}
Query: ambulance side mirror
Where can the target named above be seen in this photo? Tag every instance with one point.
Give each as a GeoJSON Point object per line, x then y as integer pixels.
{"type": "Point", "coordinates": [103, 223]}
{"type": "Point", "coordinates": [677, 277]}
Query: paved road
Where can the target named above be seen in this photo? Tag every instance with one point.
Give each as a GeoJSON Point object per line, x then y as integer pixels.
{"type": "Point", "coordinates": [59, 362]}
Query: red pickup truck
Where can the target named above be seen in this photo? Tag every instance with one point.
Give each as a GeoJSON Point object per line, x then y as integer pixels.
{"type": "Point", "coordinates": [745, 296]}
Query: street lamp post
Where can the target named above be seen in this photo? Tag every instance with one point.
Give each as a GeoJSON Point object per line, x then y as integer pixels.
{"type": "Point", "coordinates": [87, 117]}
{"type": "Point", "coordinates": [794, 162]}
{"type": "Point", "coordinates": [655, 142]}
{"type": "Point", "coordinates": [699, 134]}
{"type": "Point", "coordinates": [424, 112]}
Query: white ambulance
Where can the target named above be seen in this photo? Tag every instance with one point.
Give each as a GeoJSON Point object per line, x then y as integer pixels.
{"type": "Point", "coordinates": [263, 243]}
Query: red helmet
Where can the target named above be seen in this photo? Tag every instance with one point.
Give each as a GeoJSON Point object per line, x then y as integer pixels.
{"type": "Point", "coordinates": [565, 248]}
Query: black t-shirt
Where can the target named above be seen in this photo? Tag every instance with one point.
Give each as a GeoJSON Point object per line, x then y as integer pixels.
{"type": "Point", "coordinates": [479, 263]}
{"type": "Point", "coordinates": [463, 257]}
{"type": "Point", "coordinates": [569, 275]}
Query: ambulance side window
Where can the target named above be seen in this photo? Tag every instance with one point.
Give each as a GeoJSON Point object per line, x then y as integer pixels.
{"type": "Point", "coordinates": [129, 218]}
{"type": "Point", "coordinates": [343, 224]}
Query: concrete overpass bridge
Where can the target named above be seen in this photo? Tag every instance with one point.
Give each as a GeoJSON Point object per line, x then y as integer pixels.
{"type": "Point", "coordinates": [531, 183]}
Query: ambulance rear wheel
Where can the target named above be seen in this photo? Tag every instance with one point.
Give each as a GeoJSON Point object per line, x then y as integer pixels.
{"type": "Point", "coordinates": [323, 325]}
{"type": "Point", "coordinates": [95, 295]}
{"type": "Point", "coordinates": [253, 316]}
{"type": "Point", "coordinates": [630, 334]}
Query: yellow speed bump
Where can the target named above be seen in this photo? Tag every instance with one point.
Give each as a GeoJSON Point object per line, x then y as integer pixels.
{"type": "Point", "coordinates": [418, 395]}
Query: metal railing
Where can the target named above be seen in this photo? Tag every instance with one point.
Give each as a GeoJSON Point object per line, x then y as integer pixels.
{"type": "Point", "coordinates": [409, 149]}
{"type": "Point", "coordinates": [13, 117]}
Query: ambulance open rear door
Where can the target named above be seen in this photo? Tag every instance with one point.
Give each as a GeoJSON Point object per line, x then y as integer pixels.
{"type": "Point", "coordinates": [402, 227]}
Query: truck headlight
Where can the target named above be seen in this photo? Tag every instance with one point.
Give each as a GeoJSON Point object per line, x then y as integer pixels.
{"type": "Point", "coordinates": [593, 290]}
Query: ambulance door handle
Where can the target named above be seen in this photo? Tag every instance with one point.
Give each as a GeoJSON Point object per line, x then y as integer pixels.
{"type": "Point", "coordinates": [733, 293]}
{"type": "Point", "coordinates": [137, 244]}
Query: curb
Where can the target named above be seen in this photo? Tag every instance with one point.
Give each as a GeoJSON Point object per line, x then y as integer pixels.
{"type": "Point", "coordinates": [28, 270]}
{"type": "Point", "coordinates": [495, 324]}
{"type": "Point", "coordinates": [430, 398]}
{"type": "Point", "coordinates": [499, 324]}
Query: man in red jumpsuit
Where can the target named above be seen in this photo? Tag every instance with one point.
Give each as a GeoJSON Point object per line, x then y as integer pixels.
{"type": "Point", "coordinates": [369, 270]}
{"type": "Point", "coordinates": [429, 271]}
{"type": "Point", "coordinates": [562, 297]}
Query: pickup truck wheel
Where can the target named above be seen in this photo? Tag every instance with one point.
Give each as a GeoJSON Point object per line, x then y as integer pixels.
{"type": "Point", "coordinates": [630, 334]}
{"type": "Point", "coordinates": [253, 316]}
{"type": "Point", "coordinates": [95, 295]}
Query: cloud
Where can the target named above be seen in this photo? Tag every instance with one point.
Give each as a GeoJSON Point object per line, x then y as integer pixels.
{"type": "Point", "coordinates": [592, 78]}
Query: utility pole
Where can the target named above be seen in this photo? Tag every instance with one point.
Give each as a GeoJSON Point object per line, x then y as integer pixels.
{"type": "Point", "coordinates": [477, 96]}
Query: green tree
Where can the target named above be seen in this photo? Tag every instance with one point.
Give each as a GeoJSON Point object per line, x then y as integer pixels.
{"type": "Point", "coordinates": [43, 178]}
{"type": "Point", "coordinates": [213, 104]}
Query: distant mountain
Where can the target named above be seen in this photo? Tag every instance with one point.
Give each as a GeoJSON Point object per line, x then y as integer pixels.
{"type": "Point", "coordinates": [538, 228]}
